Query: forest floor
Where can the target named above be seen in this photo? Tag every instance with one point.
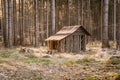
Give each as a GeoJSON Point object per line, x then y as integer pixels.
{"type": "Point", "coordinates": [35, 64]}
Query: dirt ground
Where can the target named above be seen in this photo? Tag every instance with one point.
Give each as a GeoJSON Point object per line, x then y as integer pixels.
{"type": "Point", "coordinates": [26, 63]}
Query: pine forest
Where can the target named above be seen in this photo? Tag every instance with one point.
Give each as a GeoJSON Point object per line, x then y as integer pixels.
{"type": "Point", "coordinates": [59, 39]}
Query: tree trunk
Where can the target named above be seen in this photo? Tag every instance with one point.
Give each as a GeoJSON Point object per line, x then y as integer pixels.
{"type": "Point", "coordinates": [53, 17]}
{"type": "Point", "coordinates": [21, 21]}
{"type": "Point", "coordinates": [101, 18]}
{"type": "Point", "coordinates": [78, 12]}
{"type": "Point", "coordinates": [69, 13]}
{"type": "Point", "coordinates": [36, 24]}
{"type": "Point", "coordinates": [82, 22]}
{"type": "Point", "coordinates": [3, 21]}
{"type": "Point", "coordinates": [47, 18]}
{"type": "Point", "coordinates": [118, 26]}
{"type": "Point", "coordinates": [10, 20]}
{"type": "Point", "coordinates": [114, 20]}
{"type": "Point", "coordinates": [15, 22]}
{"type": "Point", "coordinates": [8, 23]}
{"type": "Point", "coordinates": [42, 22]}
{"type": "Point", "coordinates": [105, 40]}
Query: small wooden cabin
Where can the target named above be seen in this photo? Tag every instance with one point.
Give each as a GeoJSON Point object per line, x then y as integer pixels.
{"type": "Point", "coordinates": [69, 39]}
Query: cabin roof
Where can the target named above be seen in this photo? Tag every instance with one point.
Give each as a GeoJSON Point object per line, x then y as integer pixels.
{"type": "Point", "coordinates": [66, 31]}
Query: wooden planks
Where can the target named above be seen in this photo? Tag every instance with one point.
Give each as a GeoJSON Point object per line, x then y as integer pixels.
{"type": "Point", "coordinates": [72, 43]}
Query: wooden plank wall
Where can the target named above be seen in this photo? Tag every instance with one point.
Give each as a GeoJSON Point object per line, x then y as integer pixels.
{"type": "Point", "coordinates": [84, 43]}
{"type": "Point", "coordinates": [68, 43]}
{"type": "Point", "coordinates": [63, 45]}
{"type": "Point", "coordinates": [58, 46]}
{"type": "Point", "coordinates": [80, 42]}
{"type": "Point", "coordinates": [72, 43]}
{"type": "Point", "coordinates": [50, 44]}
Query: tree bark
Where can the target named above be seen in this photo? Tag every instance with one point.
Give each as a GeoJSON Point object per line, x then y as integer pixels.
{"type": "Point", "coordinates": [3, 21]}
{"type": "Point", "coordinates": [105, 40]}
{"type": "Point", "coordinates": [53, 17]}
{"type": "Point", "coordinates": [47, 18]}
{"type": "Point", "coordinates": [114, 20]}
{"type": "Point", "coordinates": [36, 24]}
{"type": "Point", "coordinates": [78, 12]}
{"type": "Point", "coordinates": [21, 4]}
{"type": "Point", "coordinates": [42, 22]}
{"type": "Point", "coordinates": [10, 20]}
{"type": "Point", "coordinates": [14, 23]}
{"type": "Point", "coordinates": [82, 22]}
{"type": "Point", "coordinates": [118, 26]}
{"type": "Point", "coordinates": [8, 23]}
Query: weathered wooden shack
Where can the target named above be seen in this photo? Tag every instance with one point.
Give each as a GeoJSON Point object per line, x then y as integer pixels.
{"type": "Point", "coordinates": [69, 39]}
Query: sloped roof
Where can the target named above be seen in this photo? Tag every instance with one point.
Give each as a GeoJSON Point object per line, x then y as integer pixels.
{"type": "Point", "coordinates": [66, 31]}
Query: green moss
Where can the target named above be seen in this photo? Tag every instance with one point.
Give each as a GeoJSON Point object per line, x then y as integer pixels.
{"type": "Point", "coordinates": [39, 60]}
{"type": "Point", "coordinates": [91, 78]}
{"type": "Point", "coordinates": [33, 78]}
{"type": "Point", "coordinates": [5, 54]}
{"type": "Point", "coordinates": [85, 60]}
{"type": "Point", "coordinates": [114, 61]}
{"type": "Point", "coordinates": [117, 77]}
{"type": "Point", "coordinates": [30, 56]}
{"type": "Point", "coordinates": [69, 62]}
{"type": "Point", "coordinates": [118, 66]}
{"type": "Point", "coordinates": [31, 60]}
{"type": "Point", "coordinates": [46, 61]}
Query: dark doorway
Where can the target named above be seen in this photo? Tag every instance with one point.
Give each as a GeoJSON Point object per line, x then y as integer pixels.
{"type": "Point", "coordinates": [82, 42]}
{"type": "Point", "coordinates": [54, 44]}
